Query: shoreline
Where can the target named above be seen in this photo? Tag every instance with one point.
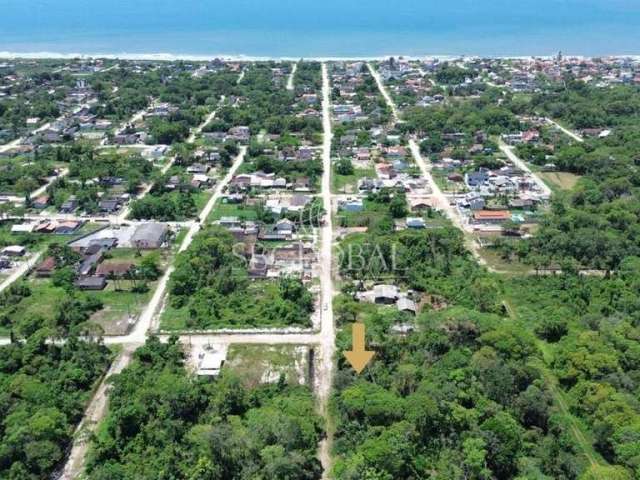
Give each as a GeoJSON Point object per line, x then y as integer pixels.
{"type": "Point", "coordinates": [169, 57]}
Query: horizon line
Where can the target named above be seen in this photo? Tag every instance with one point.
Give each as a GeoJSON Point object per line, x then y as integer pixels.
{"type": "Point", "coordinates": [165, 56]}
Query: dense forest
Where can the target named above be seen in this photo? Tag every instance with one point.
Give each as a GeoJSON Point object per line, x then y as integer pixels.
{"type": "Point", "coordinates": [502, 378]}
{"type": "Point", "coordinates": [43, 392]}
{"type": "Point", "coordinates": [164, 423]}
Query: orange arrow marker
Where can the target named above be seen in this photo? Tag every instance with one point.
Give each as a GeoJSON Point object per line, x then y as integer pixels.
{"type": "Point", "coordinates": [358, 357]}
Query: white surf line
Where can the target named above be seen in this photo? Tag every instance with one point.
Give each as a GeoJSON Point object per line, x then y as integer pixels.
{"type": "Point", "coordinates": [292, 75]}
{"type": "Point", "coordinates": [566, 131]}
{"type": "Point", "coordinates": [325, 370]}
{"type": "Point", "coordinates": [521, 164]}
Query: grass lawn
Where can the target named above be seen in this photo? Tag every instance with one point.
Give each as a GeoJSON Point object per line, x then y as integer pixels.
{"type": "Point", "coordinates": [39, 241]}
{"type": "Point", "coordinates": [231, 210]}
{"type": "Point", "coordinates": [349, 183]}
{"type": "Point", "coordinates": [179, 238]}
{"type": "Point", "coordinates": [258, 364]}
{"type": "Point", "coordinates": [372, 212]}
{"type": "Point", "coordinates": [560, 180]}
{"type": "Point", "coordinates": [43, 296]}
{"type": "Point", "coordinates": [119, 305]}
{"type": "Point", "coordinates": [201, 198]}
{"type": "Point", "coordinates": [440, 177]}
{"type": "Point", "coordinates": [495, 261]}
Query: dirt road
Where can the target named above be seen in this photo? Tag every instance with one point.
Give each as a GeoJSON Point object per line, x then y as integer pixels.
{"type": "Point", "coordinates": [93, 415]}
{"type": "Point", "coordinates": [566, 131]}
{"type": "Point", "coordinates": [292, 75]}
{"type": "Point", "coordinates": [324, 375]}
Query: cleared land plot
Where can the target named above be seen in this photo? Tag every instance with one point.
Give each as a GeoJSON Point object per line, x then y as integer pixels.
{"type": "Point", "coordinates": [222, 209]}
{"type": "Point", "coordinates": [561, 180]}
{"type": "Point", "coordinates": [257, 364]}
{"type": "Point", "coordinates": [349, 183]}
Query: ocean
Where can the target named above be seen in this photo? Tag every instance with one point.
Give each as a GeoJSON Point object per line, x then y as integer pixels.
{"type": "Point", "coordinates": [327, 28]}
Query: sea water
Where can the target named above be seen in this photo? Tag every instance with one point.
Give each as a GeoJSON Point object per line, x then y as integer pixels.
{"type": "Point", "coordinates": [321, 28]}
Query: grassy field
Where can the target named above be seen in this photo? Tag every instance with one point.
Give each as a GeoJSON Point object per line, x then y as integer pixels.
{"type": "Point", "coordinates": [561, 180]}
{"type": "Point", "coordinates": [445, 184]}
{"type": "Point", "coordinates": [39, 241]}
{"type": "Point", "coordinates": [231, 210]}
{"type": "Point", "coordinates": [349, 183]}
{"type": "Point", "coordinates": [119, 305]}
{"type": "Point", "coordinates": [372, 212]}
{"type": "Point", "coordinates": [119, 302]}
{"type": "Point", "coordinates": [257, 364]}
{"type": "Point", "coordinates": [201, 198]}
{"type": "Point", "coordinates": [496, 262]}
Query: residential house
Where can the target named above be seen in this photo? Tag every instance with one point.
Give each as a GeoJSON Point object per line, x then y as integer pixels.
{"type": "Point", "coordinates": [109, 205]}
{"type": "Point", "coordinates": [114, 269]}
{"type": "Point", "coordinates": [92, 256]}
{"type": "Point", "coordinates": [70, 205]}
{"type": "Point", "coordinates": [230, 222]}
{"type": "Point", "coordinates": [68, 227]}
{"type": "Point", "coordinates": [14, 251]}
{"type": "Point", "coordinates": [285, 227]}
{"type": "Point", "coordinates": [491, 216]}
{"type": "Point", "coordinates": [41, 202]}
{"type": "Point", "coordinates": [385, 294]}
{"type": "Point", "coordinates": [94, 282]}
{"type": "Point", "coordinates": [149, 236]}
{"type": "Point", "coordinates": [415, 222]}
{"type": "Point", "coordinates": [351, 205]}
{"type": "Point", "coordinates": [46, 267]}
